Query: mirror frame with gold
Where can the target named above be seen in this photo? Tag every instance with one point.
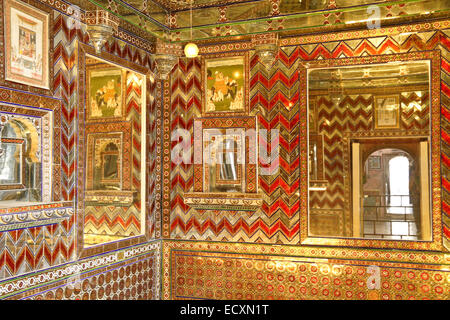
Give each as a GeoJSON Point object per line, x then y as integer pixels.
{"type": "Point", "coordinates": [435, 153]}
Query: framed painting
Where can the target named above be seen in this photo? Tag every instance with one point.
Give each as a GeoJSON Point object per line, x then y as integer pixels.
{"type": "Point", "coordinates": [105, 93]}
{"type": "Point", "coordinates": [225, 85]}
{"type": "Point", "coordinates": [105, 165]}
{"type": "Point", "coordinates": [26, 44]}
{"type": "Point", "coordinates": [387, 112]}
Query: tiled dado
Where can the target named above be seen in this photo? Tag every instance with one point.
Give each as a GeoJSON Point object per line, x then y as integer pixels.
{"type": "Point", "coordinates": [206, 270]}
{"type": "Point", "coordinates": [130, 273]}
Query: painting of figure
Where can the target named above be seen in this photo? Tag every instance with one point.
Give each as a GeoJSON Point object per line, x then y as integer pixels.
{"type": "Point", "coordinates": [105, 93]}
{"type": "Point", "coordinates": [225, 85]}
{"type": "Point", "coordinates": [26, 44]}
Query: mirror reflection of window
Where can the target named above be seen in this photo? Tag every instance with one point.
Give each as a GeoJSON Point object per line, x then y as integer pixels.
{"type": "Point", "coordinates": [20, 164]}
{"type": "Point", "coordinates": [399, 200]}
{"type": "Point", "coordinates": [391, 209]}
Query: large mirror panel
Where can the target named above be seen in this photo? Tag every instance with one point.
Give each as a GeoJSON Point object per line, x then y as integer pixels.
{"type": "Point", "coordinates": [369, 140]}
{"type": "Point", "coordinates": [114, 152]}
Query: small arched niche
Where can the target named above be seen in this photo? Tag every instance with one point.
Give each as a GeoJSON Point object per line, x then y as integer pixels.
{"type": "Point", "coordinates": [391, 195]}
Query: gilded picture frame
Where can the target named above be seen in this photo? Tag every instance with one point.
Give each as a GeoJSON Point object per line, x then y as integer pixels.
{"type": "Point", "coordinates": [27, 44]}
{"type": "Point", "coordinates": [387, 111]}
{"type": "Point", "coordinates": [105, 98]}
{"type": "Point", "coordinates": [225, 84]}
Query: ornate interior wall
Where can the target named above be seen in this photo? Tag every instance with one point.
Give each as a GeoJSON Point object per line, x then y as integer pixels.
{"type": "Point", "coordinates": [265, 270]}
{"type": "Point", "coordinates": [249, 255]}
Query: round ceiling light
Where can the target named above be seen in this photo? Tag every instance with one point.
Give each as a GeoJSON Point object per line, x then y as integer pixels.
{"type": "Point", "coordinates": [191, 50]}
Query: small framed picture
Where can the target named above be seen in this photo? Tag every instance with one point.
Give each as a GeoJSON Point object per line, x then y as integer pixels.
{"type": "Point", "coordinates": [105, 91]}
{"type": "Point", "coordinates": [374, 162]}
{"type": "Point", "coordinates": [387, 112]}
{"type": "Point", "coordinates": [225, 85]}
{"type": "Point", "coordinates": [26, 44]}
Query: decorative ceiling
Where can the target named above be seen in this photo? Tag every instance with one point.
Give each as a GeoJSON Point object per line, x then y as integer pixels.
{"type": "Point", "coordinates": [227, 19]}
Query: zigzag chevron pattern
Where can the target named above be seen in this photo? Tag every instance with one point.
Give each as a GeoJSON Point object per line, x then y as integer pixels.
{"type": "Point", "coordinates": [112, 220]}
{"type": "Point", "coordinates": [133, 111]}
{"type": "Point", "coordinates": [185, 105]}
{"type": "Point", "coordinates": [274, 96]}
{"type": "Point", "coordinates": [265, 225]}
{"type": "Point", "coordinates": [65, 86]}
{"type": "Point", "coordinates": [411, 117]}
